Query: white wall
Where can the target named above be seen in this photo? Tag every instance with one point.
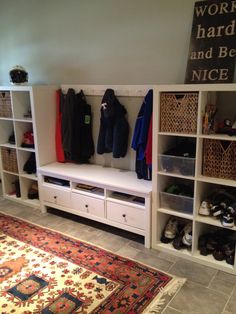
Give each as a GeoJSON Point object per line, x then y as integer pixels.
{"type": "Point", "coordinates": [96, 41]}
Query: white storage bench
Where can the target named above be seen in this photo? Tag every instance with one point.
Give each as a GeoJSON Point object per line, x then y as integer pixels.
{"type": "Point", "coordinates": [108, 195]}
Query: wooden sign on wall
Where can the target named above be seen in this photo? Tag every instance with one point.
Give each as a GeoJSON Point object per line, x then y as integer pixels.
{"type": "Point", "coordinates": [213, 43]}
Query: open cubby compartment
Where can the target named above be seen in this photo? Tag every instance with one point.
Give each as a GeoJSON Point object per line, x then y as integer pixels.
{"type": "Point", "coordinates": [21, 127]}
{"type": "Point", "coordinates": [176, 194]}
{"type": "Point", "coordinates": [225, 234]}
{"type": "Point", "coordinates": [21, 105]}
{"type": "Point", "coordinates": [169, 161]}
{"type": "Point", "coordinates": [23, 157]}
{"type": "Point", "coordinates": [221, 108]}
{"type": "Point", "coordinates": [162, 220]}
{"type": "Point", "coordinates": [88, 189]}
{"type": "Point", "coordinates": [10, 185]}
{"type": "Point", "coordinates": [26, 186]}
{"type": "Point", "coordinates": [129, 199]}
{"type": "Point", "coordinates": [56, 181]}
{"type": "Point", "coordinates": [6, 130]}
{"type": "Point", "coordinates": [205, 192]}
{"type": "Point", "coordinates": [5, 104]}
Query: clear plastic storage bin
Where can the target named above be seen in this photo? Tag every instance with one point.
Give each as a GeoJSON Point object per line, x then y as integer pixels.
{"type": "Point", "coordinates": [179, 165]}
{"type": "Point", "coordinates": [183, 204]}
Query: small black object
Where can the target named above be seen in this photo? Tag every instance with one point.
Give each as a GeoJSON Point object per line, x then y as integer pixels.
{"type": "Point", "coordinates": [30, 165]}
{"type": "Point", "coordinates": [11, 139]}
{"type": "Point", "coordinates": [18, 75]}
{"type": "Point", "coordinates": [17, 188]}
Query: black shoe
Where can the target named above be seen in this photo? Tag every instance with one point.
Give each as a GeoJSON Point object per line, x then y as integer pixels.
{"type": "Point", "coordinates": [230, 259]}
{"type": "Point", "coordinates": [11, 139]}
{"type": "Point", "coordinates": [218, 254]}
{"type": "Point", "coordinates": [229, 248]}
{"type": "Point", "coordinates": [178, 243]}
{"type": "Point", "coordinates": [227, 220]}
{"type": "Point", "coordinates": [30, 165]}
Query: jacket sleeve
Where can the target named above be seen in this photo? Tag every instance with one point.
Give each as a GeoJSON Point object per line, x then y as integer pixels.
{"type": "Point", "coordinates": [120, 138]}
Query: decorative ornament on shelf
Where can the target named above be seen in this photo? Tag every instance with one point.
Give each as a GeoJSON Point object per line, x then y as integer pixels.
{"type": "Point", "coordinates": [18, 75]}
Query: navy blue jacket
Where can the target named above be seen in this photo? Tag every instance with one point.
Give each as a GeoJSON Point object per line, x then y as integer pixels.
{"type": "Point", "coordinates": [114, 128]}
{"type": "Point", "coordinates": [140, 136]}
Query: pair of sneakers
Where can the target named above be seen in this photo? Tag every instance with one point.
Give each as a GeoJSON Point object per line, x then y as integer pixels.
{"type": "Point", "coordinates": [178, 233]}
{"type": "Point", "coordinates": [220, 204]}
{"type": "Point", "coordinates": [225, 211]}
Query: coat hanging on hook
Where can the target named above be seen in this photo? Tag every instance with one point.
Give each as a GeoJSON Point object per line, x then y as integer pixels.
{"type": "Point", "coordinates": [114, 128]}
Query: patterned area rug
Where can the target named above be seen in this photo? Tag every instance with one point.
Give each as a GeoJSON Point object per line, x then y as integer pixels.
{"type": "Point", "coordinates": [43, 271]}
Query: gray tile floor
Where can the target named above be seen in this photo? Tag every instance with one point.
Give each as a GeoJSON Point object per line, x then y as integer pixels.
{"type": "Point", "coordinates": [207, 291]}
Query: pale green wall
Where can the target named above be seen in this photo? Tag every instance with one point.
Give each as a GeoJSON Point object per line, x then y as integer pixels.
{"type": "Point", "coordinates": [96, 41]}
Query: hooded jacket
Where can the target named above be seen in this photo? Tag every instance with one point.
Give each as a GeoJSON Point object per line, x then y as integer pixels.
{"type": "Point", "coordinates": [140, 137]}
{"type": "Point", "coordinates": [114, 128]}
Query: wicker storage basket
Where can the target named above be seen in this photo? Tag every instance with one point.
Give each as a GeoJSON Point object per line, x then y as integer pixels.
{"type": "Point", "coordinates": [9, 160]}
{"type": "Point", "coordinates": [219, 159]}
{"type": "Point", "coordinates": [5, 105]}
{"type": "Point", "coordinates": [178, 112]}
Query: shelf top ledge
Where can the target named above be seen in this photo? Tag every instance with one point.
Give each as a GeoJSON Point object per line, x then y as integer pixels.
{"type": "Point", "coordinates": [196, 87]}
{"type": "Point", "coordinates": [106, 176]}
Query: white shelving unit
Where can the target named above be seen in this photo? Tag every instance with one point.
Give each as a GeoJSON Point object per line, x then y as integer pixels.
{"type": "Point", "coordinates": [16, 103]}
{"type": "Point", "coordinates": [223, 96]}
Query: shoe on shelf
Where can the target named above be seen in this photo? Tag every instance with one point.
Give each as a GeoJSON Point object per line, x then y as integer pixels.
{"type": "Point", "coordinates": [229, 248]}
{"type": "Point", "coordinates": [218, 254]}
{"type": "Point", "coordinates": [171, 230]}
{"type": "Point", "coordinates": [33, 192]}
{"type": "Point", "coordinates": [231, 209]}
{"type": "Point", "coordinates": [218, 210]}
{"type": "Point", "coordinates": [204, 209]}
{"type": "Point", "coordinates": [202, 244]}
{"type": "Point", "coordinates": [212, 243]}
{"type": "Point", "coordinates": [230, 259]}
{"type": "Point", "coordinates": [11, 139]}
{"type": "Point", "coordinates": [187, 237]}
{"type": "Point", "coordinates": [178, 243]}
{"type": "Point", "coordinates": [227, 220]}
{"type": "Point", "coordinates": [30, 164]}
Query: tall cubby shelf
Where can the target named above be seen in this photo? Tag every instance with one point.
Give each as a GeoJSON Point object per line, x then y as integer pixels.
{"type": "Point", "coordinates": [194, 175]}
{"type": "Point", "coordinates": [23, 109]}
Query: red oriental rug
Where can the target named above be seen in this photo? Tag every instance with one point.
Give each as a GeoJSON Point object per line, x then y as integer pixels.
{"type": "Point", "coordinates": [43, 271]}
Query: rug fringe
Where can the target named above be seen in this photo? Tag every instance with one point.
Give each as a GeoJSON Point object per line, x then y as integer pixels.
{"type": "Point", "coordinates": [172, 288]}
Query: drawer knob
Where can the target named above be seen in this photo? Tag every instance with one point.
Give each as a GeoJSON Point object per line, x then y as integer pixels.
{"type": "Point", "coordinates": [86, 206]}
{"type": "Point", "coordinates": [55, 197]}
{"type": "Point", "coordinates": [124, 215]}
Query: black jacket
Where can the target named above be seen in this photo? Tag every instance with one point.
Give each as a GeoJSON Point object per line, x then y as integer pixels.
{"type": "Point", "coordinates": [76, 128]}
{"type": "Point", "coordinates": [114, 128]}
{"type": "Point", "coordinates": [82, 140]}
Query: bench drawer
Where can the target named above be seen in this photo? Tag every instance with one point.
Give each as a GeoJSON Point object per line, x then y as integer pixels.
{"type": "Point", "coordinates": [124, 214]}
{"type": "Point", "coordinates": [56, 196]}
{"type": "Point", "coordinates": [90, 205]}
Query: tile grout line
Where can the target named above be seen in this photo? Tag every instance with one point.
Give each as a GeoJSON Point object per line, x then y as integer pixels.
{"type": "Point", "coordinates": [213, 277]}
{"type": "Point", "coordinates": [228, 299]}
{"type": "Point", "coordinates": [172, 308]}
{"type": "Point", "coordinates": [174, 295]}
